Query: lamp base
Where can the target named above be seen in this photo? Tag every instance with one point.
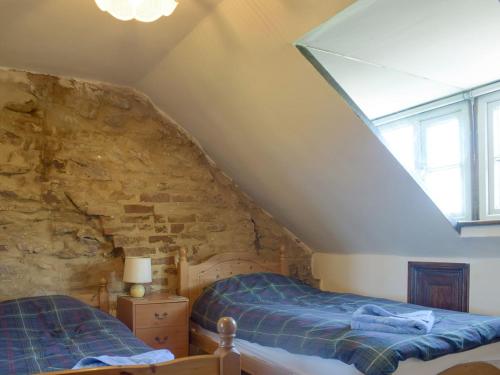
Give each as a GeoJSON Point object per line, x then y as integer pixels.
{"type": "Point", "coordinates": [137, 291]}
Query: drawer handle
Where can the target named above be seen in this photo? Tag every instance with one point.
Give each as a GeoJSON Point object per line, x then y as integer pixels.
{"type": "Point", "coordinates": [160, 341]}
{"type": "Point", "coordinates": [161, 316]}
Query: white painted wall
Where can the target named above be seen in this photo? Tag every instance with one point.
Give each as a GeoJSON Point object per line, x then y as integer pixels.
{"type": "Point", "coordinates": [386, 276]}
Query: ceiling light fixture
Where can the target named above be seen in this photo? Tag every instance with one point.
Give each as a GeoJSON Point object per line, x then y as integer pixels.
{"type": "Point", "coordinates": [141, 10]}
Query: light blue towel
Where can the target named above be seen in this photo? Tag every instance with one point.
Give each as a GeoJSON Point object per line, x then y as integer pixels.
{"type": "Point", "coordinates": [375, 318]}
{"type": "Point", "coordinates": [148, 358]}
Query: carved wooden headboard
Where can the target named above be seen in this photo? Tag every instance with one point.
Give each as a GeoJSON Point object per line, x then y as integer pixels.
{"type": "Point", "coordinates": [98, 298]}
{"type": "Point", "coordinates": [193, 278]}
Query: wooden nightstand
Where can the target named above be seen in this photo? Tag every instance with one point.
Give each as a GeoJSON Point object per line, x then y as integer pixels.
{"type": "Point", "coordinates": [159, 319]}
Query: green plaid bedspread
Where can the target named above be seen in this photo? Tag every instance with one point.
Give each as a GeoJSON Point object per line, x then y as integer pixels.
{"type": "Point", "coordinates": [52, 333]}
{"type": "Point", "coordinates": [278, 311]}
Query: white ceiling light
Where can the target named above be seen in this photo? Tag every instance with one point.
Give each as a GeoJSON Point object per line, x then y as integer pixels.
{"type": "Point", "coordinates": [141, 10]}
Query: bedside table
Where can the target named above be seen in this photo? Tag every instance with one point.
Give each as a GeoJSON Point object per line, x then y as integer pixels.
{"type": "Point", "coordinates": [160, 320]}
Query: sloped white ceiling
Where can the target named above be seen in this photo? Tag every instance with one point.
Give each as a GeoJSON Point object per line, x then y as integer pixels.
{"type": "Point", "coordinates": [269, 120]}
{"type": "Point", "coordinates": [74, 38]}
{"type": "Point", "coordinates": [390, 55]}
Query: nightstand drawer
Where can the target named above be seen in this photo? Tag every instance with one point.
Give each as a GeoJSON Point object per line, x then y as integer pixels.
{"type": "Point", "coordinates": [166, 337]}
{"type": "Point", "coordinates": [161, 314]}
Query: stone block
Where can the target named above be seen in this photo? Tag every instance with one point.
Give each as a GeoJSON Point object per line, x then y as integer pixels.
{"type": "Point", "coordinates": [123, 241]}
{"type": "Point", "coordinates": [139, 251]}
{"type": "Point", "coordinates": [137, 209]}
{"type": "Point", "coordinates": [165, 249]}
{"type": "Point", "coordinates": [136, 219]}
{"type": "Point", "coordinates": [160, 219]}
{"type": "Point", "coordinates": [124, 229]}
{"type": "Point", "coordinates": [194, 236]}
{"type": "Point", "coordinates": [163, 239]}
{"type": "Point", "coordinates": [9, 138]}
{"type": "Point", "coordinates": [116, 100]}
{"type": "Point", "coordinates": [215, 227]}
{"type": "Point", "coordinates": [161, 229]}
{"type": "Point", "coordinates": [176, 228]}
{"type": "Point", "coordinates": [51, 198]}
{"type": "Point", "coordinates": [88, 169]}
{"type": "Point", "coordinates": [102, 209]}
{"type": "Point", "coordinates": [181, 218]}
{"type": "Point", "coordinates": [90, 235]}
{"type": "Point", "coordinates": [145, 227]}
{"type": "Point", "coordinates": [206, 216]}
{"type": "Point", "coordinates": [23, 103]}
{"type": "Point", "coordinates": [182, 198]}
{"type": "Point", "coordinates": [120, 196]}
{"type": "Point", "coordinates": [157, 197]}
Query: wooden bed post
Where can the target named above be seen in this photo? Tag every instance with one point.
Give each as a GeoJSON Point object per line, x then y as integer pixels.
{"type": "Point", "coordinates": [230, 363]}
{"type": "Point", "coordinates": [183, 287]}
{"type": "Point", "coordinates": [284, 261]}
{"type": "Point", "coordinates": [103, 295]}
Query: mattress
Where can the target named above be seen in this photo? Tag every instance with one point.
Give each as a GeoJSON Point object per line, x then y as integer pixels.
{"type": "Point", "coordinates": [285, 362]}
{"type": "Point", "coordinates": [277, 311]}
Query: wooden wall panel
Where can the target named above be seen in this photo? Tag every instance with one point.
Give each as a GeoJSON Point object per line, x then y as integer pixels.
{"type": "Point", "coordinates": [439, 285]}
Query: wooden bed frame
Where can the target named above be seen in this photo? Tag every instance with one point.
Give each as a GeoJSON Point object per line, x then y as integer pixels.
{"type": "Point", "coordinates": [99, 299]}
{"type": "Point", "coordinates": [193, 278]}
{"type": "Point", "coordinates": [225, 359]}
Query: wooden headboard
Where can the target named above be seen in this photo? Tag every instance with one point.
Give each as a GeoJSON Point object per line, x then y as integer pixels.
{"type": "Point", "coordinates": [98, 298]}
{"type": "Point", "coordinates": [193, 278]}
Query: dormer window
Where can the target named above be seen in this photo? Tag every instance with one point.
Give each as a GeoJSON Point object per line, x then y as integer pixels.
{"type": "Point", "coordinates": [428, 88]}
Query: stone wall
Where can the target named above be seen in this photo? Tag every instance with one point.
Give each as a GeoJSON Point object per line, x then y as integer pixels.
{"type": "Point", "coordinates": [91, 172]}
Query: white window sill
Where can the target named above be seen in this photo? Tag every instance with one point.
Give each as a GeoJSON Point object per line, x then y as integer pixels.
{"type": "Point", "coordinates": [483, 228]}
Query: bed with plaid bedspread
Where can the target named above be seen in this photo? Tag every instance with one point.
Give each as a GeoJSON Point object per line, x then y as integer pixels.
{"type": "Point", "coordinates": [277, 311]}
{"type": "Point", "coordinates": [53, 333]}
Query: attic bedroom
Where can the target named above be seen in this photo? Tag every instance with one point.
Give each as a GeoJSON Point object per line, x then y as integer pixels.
{"type": "Point", "coordinates": [256, 187]}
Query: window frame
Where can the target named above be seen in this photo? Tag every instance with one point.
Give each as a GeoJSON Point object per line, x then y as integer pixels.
{"type": "Point", "coordinates": [422, 120]}
{"type": "Point", "coordinates": [486, 157]}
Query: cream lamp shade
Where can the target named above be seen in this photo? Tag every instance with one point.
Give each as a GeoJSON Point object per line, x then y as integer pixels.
{"type": "Point", "coordinates": [137, 271]}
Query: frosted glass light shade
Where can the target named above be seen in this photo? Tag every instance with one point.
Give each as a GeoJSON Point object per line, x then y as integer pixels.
{"type": "Point", "coordinates": [137, 270]}
{"type": "Point", "coordinates": [141, 10]}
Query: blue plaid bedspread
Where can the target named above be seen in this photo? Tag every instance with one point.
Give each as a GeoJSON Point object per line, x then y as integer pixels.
{"type": "Point", "coordinates": [278, 311]}
{"type": "Point", "coordinates": [53, 333]}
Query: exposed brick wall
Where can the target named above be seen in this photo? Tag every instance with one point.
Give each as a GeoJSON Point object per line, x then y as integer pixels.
{"type": "Point", "coordinates": [90, 172]}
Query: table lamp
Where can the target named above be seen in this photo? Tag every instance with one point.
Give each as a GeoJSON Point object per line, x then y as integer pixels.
{"type": "Point", "coordinates": [137, 271]}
